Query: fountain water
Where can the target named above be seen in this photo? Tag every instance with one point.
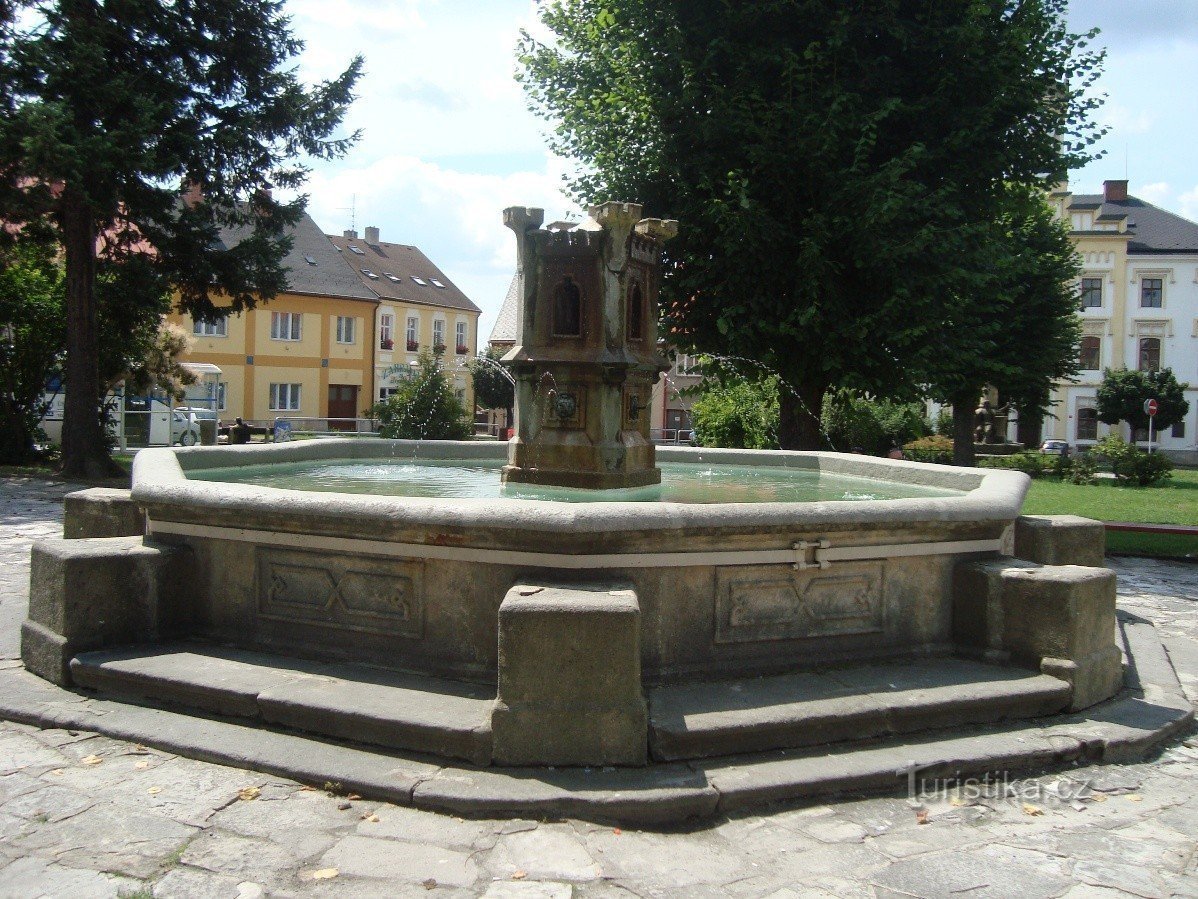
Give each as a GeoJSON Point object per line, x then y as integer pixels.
{"type": "Point", "coordinates": [572, 633]}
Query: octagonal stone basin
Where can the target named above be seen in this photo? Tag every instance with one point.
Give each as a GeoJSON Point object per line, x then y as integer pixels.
{"type": "Point", "coordinates": [415, 583]}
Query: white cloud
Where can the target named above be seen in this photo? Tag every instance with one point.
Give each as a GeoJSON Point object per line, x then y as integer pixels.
{"type": "Point", "coordinates": [1124, 121]}
{"type": "Point", "coordinates": [1187, 204]}
{"type": "Point", "coordinates": [454, 216]}
{"type": "Point", "coordinates": [1158, 194]}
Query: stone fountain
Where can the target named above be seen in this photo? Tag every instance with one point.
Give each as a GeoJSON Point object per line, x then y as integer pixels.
{"type": "Point", "coordinates": [504, 631]}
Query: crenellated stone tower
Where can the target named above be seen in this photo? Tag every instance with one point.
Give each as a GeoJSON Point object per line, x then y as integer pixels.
{"type": "Point", "coordinates": [586, 356]}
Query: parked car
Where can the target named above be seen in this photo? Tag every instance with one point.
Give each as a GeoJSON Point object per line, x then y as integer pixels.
{"type": "Point", "coordinates": [1055, 448]}
{"type": "Point", "coordinates": [188, 425]}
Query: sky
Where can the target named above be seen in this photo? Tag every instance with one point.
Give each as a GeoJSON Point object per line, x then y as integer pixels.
{"type": "Point", "coordinates": [447, 140]}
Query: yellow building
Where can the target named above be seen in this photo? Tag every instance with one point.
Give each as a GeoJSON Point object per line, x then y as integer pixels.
{"type": "Point", "coordinates": [308, 353]}
{"type": "Point", "coordinates": [419, 309]}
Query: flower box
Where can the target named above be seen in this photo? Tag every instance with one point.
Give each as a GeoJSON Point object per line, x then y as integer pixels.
{"type": "Point", "coordinates": [413, 346]}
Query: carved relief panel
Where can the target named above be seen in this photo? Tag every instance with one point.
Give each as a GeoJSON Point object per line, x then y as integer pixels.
{"type": "Point", "coordinates": [779, 603]}
{"type": "Point", "coordinates": [372, 595]}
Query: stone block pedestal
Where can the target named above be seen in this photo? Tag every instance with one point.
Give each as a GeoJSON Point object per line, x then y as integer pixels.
{"type": "Point", "coordinates": [1057, 618]}
{"type": "Point", "coordinates": [1060, 540]}
{"type": "Point", "coordinates": [92, 593]}
{"type": "Point", "coordinates": [570, 677]}
{"type": "Point", "coordinates": [102, 512]}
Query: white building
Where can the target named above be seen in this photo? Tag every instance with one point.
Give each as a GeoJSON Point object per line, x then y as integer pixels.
{"type": "Point", "coordinates": [1139, 308]}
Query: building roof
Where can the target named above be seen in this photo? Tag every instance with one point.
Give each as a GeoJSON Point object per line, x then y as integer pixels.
{"type": "Point", "coordinates": [1150, 228]}
{"type": "Point", "coordinates": [504, 331]}
{"type": "Point", "coordinates": [401, 273]}
{"type": "Point", "coordinates": [313, 265]}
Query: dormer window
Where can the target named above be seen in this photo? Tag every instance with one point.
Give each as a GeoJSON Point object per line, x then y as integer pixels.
{"type": "Point", "coordinates": [390, 276]}
{"type": "Point", "coordinates": [310, 260]}
{"type": "Point", "coordinates": [567, 309]}
{"type": "Point", "coordinates": [357, 250]}
{"type": "Point", "coordinates": [369, 274]}
{"type": "Point", "coordinates": [437, 283]}
{"type": "Point", "coordinates": [419, 281]}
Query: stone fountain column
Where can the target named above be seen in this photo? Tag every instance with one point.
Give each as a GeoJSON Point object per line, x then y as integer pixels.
{"type": "Point", "coordinates": [586, 356]}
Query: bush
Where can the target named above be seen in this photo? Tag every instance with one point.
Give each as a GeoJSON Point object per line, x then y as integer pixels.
{"type": "Point", "coordinates": [1081, 470]}
{"type": "Point", "coordinates": [737, 414]}
{"type": "Point", "coordinates": [1032, 464]}
{"type": "Point", "coordinates": [938, 449]}
{"type": "Point", "coordinates": [1131, 464]}
{"type": "Point", "coordinates": [853, 421]}
{"type": "Point", "coordinates": [423, 407]}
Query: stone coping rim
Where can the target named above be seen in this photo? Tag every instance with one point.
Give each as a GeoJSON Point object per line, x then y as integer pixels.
{"type": "Point", "coordinates": [160, 483]}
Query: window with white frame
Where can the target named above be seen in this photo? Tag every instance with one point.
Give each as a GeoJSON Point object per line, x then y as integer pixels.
{"type": "Point", "coordinates": [284, 397]}
{"type": "Point", "coordinates": [345, 329]}
{"type": "Point", "coordinates": [218, 328]}
{"type": "Point", "coordinates": [1150, 354]}
{"type": "Point", "coordinates": [413, 335]}
{"type": "Point", "coordinates": [286, 325]}
{"type": "Point", "coordinates": [1091, 354]}
{"type": "Point", "coordinates": [1152, 293]}
{"type": "Point", "coordinates": [1091, 293]}
{"type": "Point", "coordinates": [386, 331]}
{"type": "Point", "coordinates": [462, 346]}
{"type": "Point", "coordinates": [438, 332]}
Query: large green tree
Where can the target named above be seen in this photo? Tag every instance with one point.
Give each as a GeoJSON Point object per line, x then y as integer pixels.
{"type": "Point", "coordinates": [1123, 392]}
{"type": "Point", "coordinates": [1018, 329]}
{"type": "Point", "coordinates": [107, 107]}
{"type": "Point", "coordinates": [31, 343]}
{"type": "Point", "coordinates": [836, 168]}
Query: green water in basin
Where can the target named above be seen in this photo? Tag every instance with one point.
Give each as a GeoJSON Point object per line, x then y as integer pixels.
{"type": "Point", "coordinates": [479, 479]}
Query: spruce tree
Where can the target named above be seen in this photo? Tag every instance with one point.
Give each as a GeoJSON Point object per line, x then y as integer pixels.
{"type": "Point", "coordinates": [106, 108]}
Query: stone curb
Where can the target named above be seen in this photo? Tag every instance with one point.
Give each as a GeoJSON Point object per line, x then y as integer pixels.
{"type": "Point", "coordinates": [1151, 710]}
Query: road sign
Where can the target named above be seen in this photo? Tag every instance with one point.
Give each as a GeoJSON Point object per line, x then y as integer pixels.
{"type": "Point", "coordinates": [1150, 407]}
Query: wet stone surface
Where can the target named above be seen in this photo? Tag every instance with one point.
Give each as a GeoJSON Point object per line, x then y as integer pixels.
{"type": "Point", "coordinates": [83, 815]}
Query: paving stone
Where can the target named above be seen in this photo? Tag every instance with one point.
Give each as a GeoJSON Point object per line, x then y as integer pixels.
{"type": "Point", "coordinates": [110, 837]}
{"type": "Point", "coordinates": [764, 835]}
{"type": "Point", "coordinates": [189, 883]}
{"type": "Point", "coordinates": [48, 804]}
{"type": "Point", "coordinates": [1128, 878]}
{"type": "Point", "coordinates": [526, 890]}
{"type": "Point", "coordinates": [398, 860]}
{"type": "Point", "coordinates": [835, 830]}
{"type": "Point", "coordinates": [418, 826]}
{"type": "Point", "coordinates": [36, 878]}
{"type": "Point", "coordinates": [995, 872]}
{"type": "Point", "coordinates": [551, 852]}
{"type": "Point", "coordinates": [301, 811]}
{"type": "Point", "coordinates": [674, 861]}
{"type": "Point", "coordinates": [250, 858]}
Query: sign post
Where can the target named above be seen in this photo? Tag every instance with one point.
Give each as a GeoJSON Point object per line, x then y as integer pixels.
{"type": "Point", "coordinates": [1150, 408]}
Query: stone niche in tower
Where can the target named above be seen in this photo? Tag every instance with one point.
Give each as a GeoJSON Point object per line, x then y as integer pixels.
{"type": "Point", "coordinates": [586, 355]}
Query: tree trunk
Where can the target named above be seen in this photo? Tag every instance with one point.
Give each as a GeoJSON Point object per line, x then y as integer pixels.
{"type": "Point", "coordinates": [963, 429]}
{"type": "Point", "coordinates": [798, 417]}
{"type": "Point", "coordinates": [84, 448]}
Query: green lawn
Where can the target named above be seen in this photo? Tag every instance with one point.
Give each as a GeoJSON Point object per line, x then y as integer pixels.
{"type": "Point", "coordinates": [1176, 502]}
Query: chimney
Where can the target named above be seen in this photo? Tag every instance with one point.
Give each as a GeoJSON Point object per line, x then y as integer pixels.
{"type": "Point", "coordinates": [350, 233]}
{"type": "Point", "coordinates": [372, 236]}
{"type": "Point", "coordinates": [193, 192]}
{"type": "Point", "coordinates": [1114, 191]}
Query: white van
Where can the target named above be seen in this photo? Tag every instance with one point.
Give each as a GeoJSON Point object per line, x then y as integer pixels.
{"type": "Point", "coordinates": [191, 425]}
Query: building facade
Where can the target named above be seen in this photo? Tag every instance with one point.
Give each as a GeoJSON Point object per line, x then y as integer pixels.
{"type": "Point", "coordinates": [419, 309]}
{"type": "Point", "coordinates": [1139, 307]}
{"type": "Point", "coordinates": [307, 353]}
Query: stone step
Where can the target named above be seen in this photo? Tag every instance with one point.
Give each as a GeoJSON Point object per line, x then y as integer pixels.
{"type": "Point", "coordinates": [347, 702]}
{"type": "Point", "coordinates": [703, 720]}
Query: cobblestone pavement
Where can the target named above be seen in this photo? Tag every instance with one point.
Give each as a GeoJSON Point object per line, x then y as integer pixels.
{"type": "Point", "coordinates": [83, 815]}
